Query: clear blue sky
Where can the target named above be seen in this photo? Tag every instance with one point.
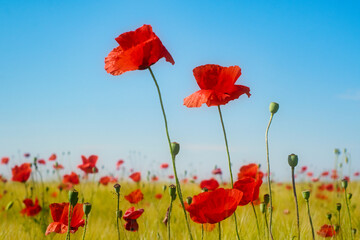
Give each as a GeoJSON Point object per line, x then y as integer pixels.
{"type": "Point", "coordinates": [56, 96]}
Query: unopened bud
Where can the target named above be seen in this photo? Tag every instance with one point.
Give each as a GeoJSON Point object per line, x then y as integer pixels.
{"type": "Point", "coordinates": [172, 192]}
{"type": "Point", "coordinates": [349, 196]}
{"type": "Point", "coordinates": [94, 170]}
{"type": "Point", "coordinates": [329, 215]}
{"type": "Point", "coordinates": [338, 206]}
{"type": "Point", "coordinates": [87, 208]}
{"type": "Point", "coordinates": [344, 183]}
{"type": "Point", "coordinates": [117, 188]}
{"type": "Point", "coordinates": [205, 189]}
{"type": "Point", "coordinates": [262, 207]}
{"type": "Point", "coordinates": [175, 148]}
{"type": "Point", "coordinates": [164, 188]}
{"type": "Point", "coordinates": [189, 200]}
{"type": "Point", "coordinates": [266, 199]}
{"type": "Point", "coordinates": [274, 107]}
{"type": "Point", "coordinates": [9, 205]}
{"type": "Point", "coordinates": [354, 231]}
{"type": "Point", "coordinates": [119, 214]}
{"type": "Point", "coordinates": [306, 195]}
{"type": "Point", "coordinates": [337, 151]}
{"type": "Point", "coordinates": [293, 160]}
{"type": "Point", "coordinates": [73, 197]}
{"type": "Point", "coordinates": [337, 228]}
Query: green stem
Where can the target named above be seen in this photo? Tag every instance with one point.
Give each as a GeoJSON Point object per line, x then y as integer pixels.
{"type": "Point", "coordinates": [349, 214]}
{"type": "Point", "coordinates": [168, 226]}
{"type": "Point", "coordinates": [267, 226]}
{"type": "Point", "coordinates": [69, 223]}
{"type": "Point", "coordinates": [268, 172]}
{"type": "Point", "coordinates": [296, 201]}
{"type": "Point", "coordinates": [229, 163]}
{"type": "Point", "coordinates": [310, 220]}
{"type": "Point", "coordinates": [257, 222]}
{"type": "Point", "coordinates": [219, 230]}
{"type": "Point", "coordinates": [172, 155]}
{"type": "Point", "coordinates": [340, 230]}
{"type": "Point", "coordinates": [86, 222]}
{"type": "Point", "coordinates": [202, 231]}
{"type": "Point", "coordinates": [117, 215]}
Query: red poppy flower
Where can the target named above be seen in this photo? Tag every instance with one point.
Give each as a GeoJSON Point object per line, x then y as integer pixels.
{"type": "Point", "coordinates": [217, 86]}
{"type": "Point", "coordinates": [288, 187]}
{"type": "Point", "coordinates": [21, 173]}
{"type": "Point", "coordinates": [137, 50]}
{"type": "Point", "coordinates": [326, 231]}
{"type": "Point", "coordinates": [309, 174]}
{"type": "Point", "coordinates": [27, 155]}
{"type": "Point", "coordinates": [321, 196]}
{"type": "Point", "coordinates": [72, 178]}
{"type": "Point", "coordinates": [58, 166]}
{"type": "Point", "coordinates": [41, 161]}
{"type": "Point", "coordinates": [89, 164]}
{"type": "Point", "coordinates": [5, 160]}
{"type": "Point", "coordinates": [210, 184]}
{"type": "Point", "coordinates": [195, 177]}
{"type": "Point", "coordinates": [119, 163]}
{"type": "Point", "coordinates": [31, 208]}
{"type": "Point", "coordinates": [59, 213]}
{"type": "Point", "coordinates": [329, 187]}
{"type": "Point", "coordinates": [54, 194]}
{"type": "Point", "coordinates": [135, 196]}
{"type": "Point", "coordinates": [130, 217]}
{"type": "Point", "coordinates": [52, 157]}
{"type": "Point", "coordinates": [154, 178]}
{"type": "Point", "coordinates": [324, 174]}
{"type": "Point", "coordinates": [158, 196]}
{"type": "Point", "coordinates": [3, 179]}
{"type": "Point", "coordinates": [303, 169]}
{"type": "Point", "coordinates": [216, 171]}
{"type": "Point", "coordinates": [171, 176]}
{"type": "Point", "coordinates": [316, 179]}
{"type": "Point", "coordinates": [252, 170]}
{"type": "Point", "coordinates": [247, 186]}
{"type": "Point", "coordinates": [136, 176]}
{"type": "Point", "coordinates": [164, 165]}
{"type": "Point", "coordinates": [105, 180]}
{"type": "Point", "coordinates": [356, 174]}
{"type": "Point", "coordinates": [215, 206]}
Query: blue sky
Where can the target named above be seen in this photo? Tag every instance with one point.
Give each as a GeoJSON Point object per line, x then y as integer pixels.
{"type": "Point", "coordinates": [56, 96]}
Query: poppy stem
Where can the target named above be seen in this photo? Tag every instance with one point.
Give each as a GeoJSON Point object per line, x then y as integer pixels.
{"type": "Point", "coordinates": [267, 226]}
{"type": "Point", "coordinates": [69, 223]}
{"type": "Point", "coordinates": [229, 162]}
{"type": "Point", "coordinates": [339, 210]}
{"type": "Point", "coordinates": [169, 218]}
{"type": "Point", "coordinates": [310, 220]}
{"type": "Point", "coordinates": [257, 222]}
{"type": "Point", "coordinates": [86, 222]}
{"type": "Point", "coordinates": [172, 154]}
{"type": "Point", "coordinates": [219, 230]}
{"type": "Point", "coordinates": [349, 214]}
{"type": "Point", "coordinates": [296, 201]}
{"type": "Point", "coordinates": [118, 215]}
{"type": "Point", "coordinates": [202, 231]}
{"type": "Point", "coordinates": [268, 173]}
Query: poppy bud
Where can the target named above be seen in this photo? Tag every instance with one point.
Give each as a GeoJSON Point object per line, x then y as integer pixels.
{"type": "Point", "coordinates": [47, 189]}
{"type": "Point", "coordinates": [306, 195]}
{"type": "Point", "coordinates": [73, 197]}
{"type": "Point", "coordinates": [117, 188]}
{"type": "Point", "coordinates": [164, 188]}
{"type": "Point", "coordinates": [119, 213]}
{"type": "Point", "coordinates": [340, 165]}
{"type": "Point", "coordinates": [274, 107]}
{"type": "Point", "coordinates": [205, 189]}
{"type": "Point", "coordinates": [94, 170]}
{"type": "Point", "coordinates": [172, 191]}
{"type": "Point", "coordinates": [9, 205]}
{"type": "Point", "coordinates": [329, 215]}
{"type": "Point", "coordinates": [266, 199]}
{"type": "Point", "coordinates": [338, 206]}
{"type": "Point", "coordinates": [344, 183]}
{"type": "Point", "coordinates": [337, 151]}
{"type": "Point", "coordinates": [175, 148]}
{"type": "Point", "coordinates": [349, 196]}
{"type": "Point", "coordinates": [337, 228]}
{"type": "Point", "coordinates": [354, 231]}
{"type": "Point", "coordinates": [87, 208]}
{"type": "Point", "coordinates": [262, 207]}
{"type": "Point", "coordinates": [346, 160]}
{"type": "Point", "coordinates": [189, 200]}
{"type": "Point", "coordinates": [293, 160]}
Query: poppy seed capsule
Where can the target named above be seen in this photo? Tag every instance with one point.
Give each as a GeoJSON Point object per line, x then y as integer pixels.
{"type": "Point", "coordinates": [337, 151]}
{"type": "Point", "coordinates": [175, 147]}
{"type": "Point", "coordinates": [344, 183]}
{"type": "Point", "coordinates": [87, 208]}
{"type": "Point", "coordinates": [266, 199]}
{"type": "Point", "coordinates": [189, 200]}
{"type": "Point", "coordinates": [9, 205]}
{"type": "Point", "coordinates": [172, 192]}
{"type": "Point", "coordinates": [262, 207]}
{"type": "Point", "coordinates": [274, 107]}
{"type": "Point", "coordinates": [329, 215]}
{"type": "Point", "coordinates": [306, 195]}
{"type": "Point", "coordinates": [164, 188]}
{"type": "Point", "coordinates": [338, 206]}
{"type": "Point", "coordinates": [337, 228]}
{"type": "Point", "coordinates": [293, 160]}
{"type": "Point", "coordinates": [354, 231]}
{"type": "Point", "coordinates": [73, 197]}
{"type": "Point", "coordinates": [119, 213]}
{"type": "Point", "coordinates": [117, 187]}
{"type": "Point", "coordinates": [349, 196]}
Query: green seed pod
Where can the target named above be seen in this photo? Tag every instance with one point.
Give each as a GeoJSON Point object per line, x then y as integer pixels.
{"type": "Point", "coordinates": [338, 206]}
{"type": "Point", "coordinates": [354, 231]}
{"type": "Point", "coordinates": [293, 160]}
{"type": "Point", "coordinates": [94, 170]}
{"type": "Point", "coordinates": [274, 107]}
{"type": "Point", "coordinates": [306, 195]}
{"type": "Point", "coordinates": [164, 188]}
{"type": "Point", "coordinates": [172, 192]}
{"type": "Point", "coordinates": [337, 228]}
{"type": "Point", "coordinates": [346, 160]}
{"type": "Point", "coordinates": [262, 207]}
{"type": "Point", "coordinates": [47, 189]}
{"type": "Point", "coordinates": [349, 196]}
{"type": "Point", "coordinates": [189, 200]}
{"type": "Point", "coordinates": [337, 151]}
{"type": "Point", "coordinates": [117, 188]}
{"type": "Point", "coordinates": [266, 199]}
{"type": "Point", "coordinates": [329, 215]}
{"type": "Point", "coordinates": [119, 213]}
{"type": "Point", "coordinates": [344, 183]}
{"type": "Point", "coordinates": [87, 208]}
{"type": "Point", "coordinates": [9, 205]}
{"type": "Point", "coordinates": [73, 197]}
{"type": "Point", "coordinates": [175, 148]}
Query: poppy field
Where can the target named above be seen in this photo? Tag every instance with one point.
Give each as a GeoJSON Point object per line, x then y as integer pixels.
{"type": "Point", "coordinates": [41, 197]}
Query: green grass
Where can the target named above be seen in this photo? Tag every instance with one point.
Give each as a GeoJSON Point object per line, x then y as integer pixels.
{"type": "Point", "coordinates": [102, 219]}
